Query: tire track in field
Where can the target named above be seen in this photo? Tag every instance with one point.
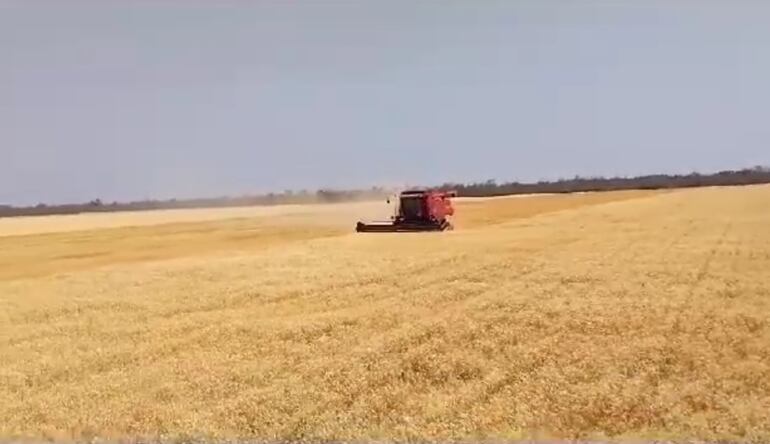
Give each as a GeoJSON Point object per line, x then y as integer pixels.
{"type": "Point", "coordinates": [705, 266]}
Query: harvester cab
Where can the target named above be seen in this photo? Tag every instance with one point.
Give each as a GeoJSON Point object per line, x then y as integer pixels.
{"type": "Point", "coordinates": [416, 210]}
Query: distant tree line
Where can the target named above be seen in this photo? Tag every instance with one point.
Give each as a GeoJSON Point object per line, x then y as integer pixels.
{"type": "Point", "coordinates": [747, 176]}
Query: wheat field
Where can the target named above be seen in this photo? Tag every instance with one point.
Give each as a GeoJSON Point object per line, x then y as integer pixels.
{"type": "Point", "coordinates": [633, 315]}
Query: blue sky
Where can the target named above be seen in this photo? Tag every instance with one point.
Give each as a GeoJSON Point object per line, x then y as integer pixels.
{"type": "Point", "coordinates": [128, 100]}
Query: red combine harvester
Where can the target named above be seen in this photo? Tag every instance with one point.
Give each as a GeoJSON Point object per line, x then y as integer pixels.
{"type": "Point", "coordinates": [417, 210]}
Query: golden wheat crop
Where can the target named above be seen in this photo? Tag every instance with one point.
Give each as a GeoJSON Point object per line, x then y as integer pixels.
{"type": "Point", "coordinates": [620, 315]}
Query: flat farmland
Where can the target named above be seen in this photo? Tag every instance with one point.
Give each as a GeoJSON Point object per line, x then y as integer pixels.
{"type": "Point", "coordinates": [594, 316]}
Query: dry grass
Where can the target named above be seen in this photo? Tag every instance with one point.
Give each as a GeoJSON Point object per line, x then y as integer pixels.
{"type": "Point", "coordinates": [559, 316]}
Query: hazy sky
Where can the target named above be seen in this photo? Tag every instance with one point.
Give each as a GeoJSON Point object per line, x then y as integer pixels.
{"type": "Point", "coordinates": [134, 99]}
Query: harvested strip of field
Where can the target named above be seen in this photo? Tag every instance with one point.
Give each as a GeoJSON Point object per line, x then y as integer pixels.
{"type": "Point", "coordinates": [41, 255]}
{"type": "Point", "coordinates": [640, 318]}
{"type": "Point", "coordinates": [30, 225]}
